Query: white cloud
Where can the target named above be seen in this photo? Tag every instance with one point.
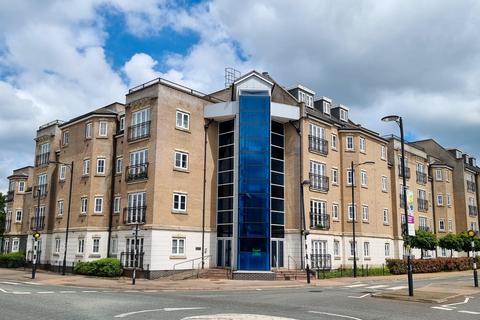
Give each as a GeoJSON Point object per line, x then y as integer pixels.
{"type": "Point", "coordinates": [140, 69]}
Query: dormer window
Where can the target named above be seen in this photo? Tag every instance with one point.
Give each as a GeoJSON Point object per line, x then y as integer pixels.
{"type": "Point", "coordinates": [305, 98]}
{"type": "Point", "coordinates": [343, 115]}
{"type": "Point", "coordinates": [326, 107]}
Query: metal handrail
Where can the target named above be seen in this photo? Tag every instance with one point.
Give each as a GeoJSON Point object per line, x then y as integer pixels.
{"type": "Point", "coordinates": [198, 264]}
{"type": "Point", "coordinates": [296, 265]}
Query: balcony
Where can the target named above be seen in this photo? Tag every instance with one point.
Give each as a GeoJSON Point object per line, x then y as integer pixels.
{"type": "Point", "coordinates": [318, 182]}
{"type": "Point", "coordinates": [321, 261]}
{"type": "Point", "coordinates": [472, 211]}
{"type": "Point", "coordinates": [127, 259]}
{"type": "Point", "coordinates": [422, 177]}
{"type": "Point", "coordinates": [37, 223]}
{"type": "Point", "coordinates": [407, 171]}
{"type": "Point", "coordinates": [422, 205]}
{"type": "Point", "coordinates": [42, 159]}
{"type": "Point", "coordinates": [139, 131]}
{"type": "Point", "coordinates": [319, 221]}
{"type": "Point", "coordinates": [137, 172]}
{"type": "Point", "coordinates": [471, 187]}
{"type": "Point", "coordinates": [134, 215]}
{"type": "Point", "coordinates": [317, 144]}
{"type": "Point", "coordinates": [41, 190]}
{"type": "Point", "coordinates": [10, 195]}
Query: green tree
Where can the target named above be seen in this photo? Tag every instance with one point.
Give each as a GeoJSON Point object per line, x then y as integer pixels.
{"type": "Point", "coordinates": [424, 240]}
{"type": "Point", "coordinates": [451, 242]}
{"type": "Point", "coordinates": [467, 242]}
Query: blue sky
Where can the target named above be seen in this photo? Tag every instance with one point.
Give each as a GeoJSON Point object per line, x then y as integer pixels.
{"type": "Point", "coordinates": [60, 59]}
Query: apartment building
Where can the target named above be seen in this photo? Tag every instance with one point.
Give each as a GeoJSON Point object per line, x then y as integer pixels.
{"type": "Point", "coordinates": [253, 177]}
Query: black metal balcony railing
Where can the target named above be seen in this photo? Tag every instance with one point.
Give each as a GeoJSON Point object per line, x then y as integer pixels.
{"type": "Point", "coordinates": [42, 159]}
{"type": "Point", "coordinates": [472, 211]}
{"type": "Point", "coordinates": [407, 171]}
{"type": "Point", "coordinates": [422, 205]}
{"type": "Point", "coordinates": [422, 177]}
{"type": "Point", "coordinates": [134, 215]}
{"type": "Point", "coordinates": [10, 195]}
{"type": "Point", "coordinates": [424, 228]}
{"type": "Point", "coordinates": [321, 261]}
{"type": "Point", "coordinates": [317, 144]}
{"type": "Point", "coordinates": [319, 182]}
{"type": "Point", "coordinates": [37, 223]}
{"type": "Point", "coordinates": [127, 259]}
{"type": "Point", "coordinates": [42, 188]}
{"type": "Point", "coordinates": [137, 172]}
{"type": "Point", "coordinates": [139, 131]}
{"type": "Point", "coordinates": [319, 221]}
{"type": "Point", "coordinates": [471, 187]}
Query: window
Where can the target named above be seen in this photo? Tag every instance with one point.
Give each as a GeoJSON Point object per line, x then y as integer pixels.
{"type": "Point", "coordinates": [336, 248]}
{"type": "Point", "coordinates": [449, 200]}
{"type": "Point", "coordinates": [178, 246]}
{"type": "Point", "coordinates": [450, 225]}
{"type": "Point", "coordinates": [18, 215]}
{"type": "Point", "coordinates": [63, 171]}
{"type": "Point", "coordinates": [103, 129]}
{"type": "Point", "coordinates": [122, 123]}
{"type": "Point", "coordinates": [326, 107]}
{"type": "Point", "coordinates": [119, 166]}
{"type": "Point", "coordinates": [387, 249]}
{"type": "Point", "coordinates": [350, 144]}
{"type": "Point", "coordinates": [60, 207]}
{"type": "Point", "coordinates": [473, 226]}
{"type": "Point", "coordinates": [335, 211]}
{"type": "Point", "coordinates": [116, 204]}
{"type": "Point", "coordinates": [88, 130]}
{"type": "Point", "coordinates": [179, 202]}
{"type": "Point", "coordinates": [181, 160]}
{"type": "Point", "coordinates": [384, 184]}
{"type": "Point", "coordinates": [183, 120]}
{"type": "Point", "coordinates": [443, 252]}
{"type": "Point", "coordinates": [114, 245]}
{"type": "Point", "coordinates": [439, 199]}
{"type": "Point", "coordinates": [96, 245]}
{"type": "Point", "coordinates": [365, 215]}
{"type": "Point", "coordinates": [334, 141]}
{"type": "Point", "coordinates": [352, 212]}
{"type": "Point", "coordinates": [447, 176]}
{"type": "Point", "coordinates": [86, 167]}
{"type": "Point", "coordinates": [349, 177]}
{"type": "Point", "coordinates": [383, 152]}
{"type": "Point", "coordinates": [100, 166]}
{"type": "Point", "coordinates": [98, 202]}
{"type": "Point", "coordinates": [81, 245]}
{"type": "Point", "coordinates": [364, 179]}
{"type": "Point", "coordinates": [15, 245]}
{"type": "Point", "coordinates": [441, 225]}
{"type": "Point", "coordinates": [366, 249]}
{"type": "Point", "coordinates": [343, 115]}
{"type": "Point", "coordinates": [66, 137]}
{"type": "Point", "coordinates": [83, 205]}
{"type": "Point", "coordinates": [386, 217]}
{"type": "Point", "coordinates": [57, 245]}
{"type": "Point", "coordinates": [353, 248]}
{"type": "Point", "coordinates": [363, 144]}
{"type": "Point", "coordinates": [438, 175]}
{"type": "Point", "coordinates": [335, 176]}
{"type": "Point", "coordinates": [21, 186]}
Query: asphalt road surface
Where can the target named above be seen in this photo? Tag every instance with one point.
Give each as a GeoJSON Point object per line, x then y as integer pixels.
{"type": "Point", "coordinates": [27, 300]}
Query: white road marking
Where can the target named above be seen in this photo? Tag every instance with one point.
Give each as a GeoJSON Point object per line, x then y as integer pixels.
{"type": "Point", "coordinates": [468, 312]}
{"type": "Point", "coordinates": [109, 291]}
{"type": "Point", "coordinates": [335, 315]}
{"type": "Point", "coordinates": [235, 316]}
{"type": "Point", "coordinates": [67, 291]}
{"type": "Point", "coordinates": [45, 292]}
{"type": "Point", "coordinates": [12, 283]}
{"type": "Point", "coordinates": [442, 308]}
{"type": "Point", "coordinates": [457, 303]}
{"type": "Point", "coordinates": [4, 291]}
{"type": "Point", "coordinates": [360, 297]}
{"type": "Point", "coordinates": [34, 283]}
{"type": "Point", "coordinates": [90, 291]}
{"type": "Point", "coordinates": [148, 291]}
{"type": "Point", "coordinates": [357, 285]}
{"type": "Point", "coordinates": [377, 286]}
{"type": "Point", "coordinates": [123, 315]}
{"type": "Point", "coordinates": [396, 288]}
{"type": "Point", "coordinates": [21, 292]}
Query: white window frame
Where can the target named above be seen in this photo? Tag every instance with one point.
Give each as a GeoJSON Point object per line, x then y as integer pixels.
{"type": "Point", "coordinates": [117, 204]}
{"type": "Point", "coordinates": [343, 114]}
{"type": "Point", "coordinates": [440, 201]}
{"type": "Point", "coordinates": [58, 244]}
{"type": "Point", "coordinates": [386, 217]}
{"type": "Point", "coordinates": [184, 115]}
{"type": "Point", "coordinates": [15, 245]}
{"type": "Point", "coordinates": [449, 200]}
{"type": "Point", "coordinates": [364, 178]}
{"type": "Point", "coordinates": [336, 248]}
{"type": "Point", "coordinates": [183, 160]}
{"type": "Point", "coordinates": [180, 196]}
{"type": "Point", "coordinates": [349, 212]}
{"type": "Point", "coordinates": [103, 128]}
{"type": "Point", "coordinates": [384, 184]}
{"type": "Point", "coordinates": [334, 141]}
{"type": "Point", "coordinates": [363, 144]}
{"type": "Point", "coordinates": [16, 215]}
{"type": "Point", "coordinates": [86, 167]}
{"type": "Point", "coordinates": [335, 211]}
{"type": "Point", "coordinates": [441, 224]}
{"type": "Point", "coordinates": [365, 213]}
{"type": "Point", "coordinates": [350, 177]}
{"type": "Point", "coordinates": [66, 137]}
{"type": "Point", "coordinates": [438, 175]}
{"type": "Point", "coordinates": [63, 172]}
{"type": "Point", "coordinates": [450, 225]}
{"type": "Point", "coordinates": [351, 248]}
{"type": "Point", "coordinates": [178, 246]}
{"type": "Point", "coordinates": [383, 153]}
{"type": "Point", "coordinates": [119, 165]}
{"type": "Point", "coordinates": [60, 207]}
{"type": "Point", "coordinates": [114, 245]}
{"type": "Point", "coordinates": [387, 249]}
{"type": "Point", "coordinates": [121, 125]}
{"type": "Point", "coordinates": [326, 107]}
{"type": "Point", "coordinates": [21, 186]}
{"type": "Point", "coordinates": [334, 176]}
{"type": "Point", "coordinates": [95, 204]}
{"type": "Point", "coordinates": [81, 246]}
{"type": "Point", "coordinates": [88, 130]}
{"type": "Point", "coordinates": [366, 249]}
{"type": "Point", "coordinates": [96, 245]}
{"type": "Point", "coordinates": [350, 140]}
{"type": "Point", "coordinates": [104, 167]}
{"type": "Point", "coordinates": [83, 205]}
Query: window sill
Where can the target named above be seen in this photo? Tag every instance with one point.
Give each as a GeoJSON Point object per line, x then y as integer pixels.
{"type": "Point", "coordinates": [335, 220]}
{"type": "Point", "coordinates": [367, 258]}
{"type": "Point", "coordinates": [183, 129]}
{"type": "Point", "coordinates": [100, 175]}
{"type": "Point", "coordinates": [79, 255]}
{"type": "Point", "coordinates": [97, 214]}
{"type": "Point", "coordinates": [139, 140]}
{"type": "Point", "coordinates": [386, 224]}
{"type": "Point", "coordinates": [365, 221]}
{"type": "Point", "coordinates": [84, 176]}
{"type": "Point", "coordinates": [83, 214]}
{"type": "Point", "coordinates": [349, 150]}
{"type": "Point", "coordinates": [18, 222]}
{"type": "Point", "coordinates": [56, 254]}
{"type": "Point", "coordinates": [385, 191]}
{"type": "Point", "coordinates": [102, 137]}
{"type": "Point", "coordinates": [181, 170]}
{"type": "Point", "coordinates": [95, 255]}
{"type": "Point", "coordinates": [335, 184]}
{"type": "Point", "coordinates": [337, 258]}
{"type": "Point", "coordinates": [383, 159]}
{"type": "Point", "coordinates": [178, 257]}
{"type": "Point", "coordinates": [364, 186]}
{"type": "Point", "coordinates": [363, 152]}
{"type": "Point", "coordinates": [180, 212]}
{"type": "Point", "coordinates": [59, 216]}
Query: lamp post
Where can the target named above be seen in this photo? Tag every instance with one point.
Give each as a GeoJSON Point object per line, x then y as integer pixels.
{"type": "Point", "coordinates": [70, 166]}
{"type": "Point", "coordinates": [399, 121]}
{"type": "Point", "coordinates": [354, 243]}
{"type": "Point", "coordinates": [304, 227]}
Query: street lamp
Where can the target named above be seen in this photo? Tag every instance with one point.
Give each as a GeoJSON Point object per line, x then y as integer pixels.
{"type": "Point", "coordinates": [304, 227]}
{"type": "Point", "coordinates": [354, 243]}
{"type": "Point", "coordinates": [399, 121]}
{"type": "Point", "coordinates": [69, 165]}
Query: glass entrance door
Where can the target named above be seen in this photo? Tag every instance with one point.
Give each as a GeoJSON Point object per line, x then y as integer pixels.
{"type": "Point", "coordinates": [224, 253]}
{"type": "Point", "coordinates": [277, 254]}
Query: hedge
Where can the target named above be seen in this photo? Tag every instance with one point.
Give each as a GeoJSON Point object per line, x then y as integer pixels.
{"type": "Point", "coordinates": [12, 260]}
{"type": "Point", "coordinates": [399, 266]}
{"type": "Point", "coordinates": [107, 267]}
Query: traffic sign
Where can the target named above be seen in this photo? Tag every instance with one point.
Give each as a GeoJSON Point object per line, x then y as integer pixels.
{"type": "Point", "coordinates": [36, 235]}
{"type": "Point", "coordinates": [471, 233]}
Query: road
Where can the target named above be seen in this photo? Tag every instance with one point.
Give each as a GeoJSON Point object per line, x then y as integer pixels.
{"type": "Point", "coordinates": [28, 300]}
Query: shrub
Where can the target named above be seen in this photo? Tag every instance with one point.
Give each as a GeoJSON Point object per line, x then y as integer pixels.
{"type": "Point", "coordinates": [12, 260]}
{"type": "Point", "coordinates": [399, 266]}
{"type": "Point", "coordinates": [107, 267]}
